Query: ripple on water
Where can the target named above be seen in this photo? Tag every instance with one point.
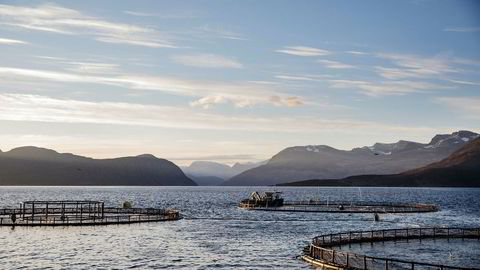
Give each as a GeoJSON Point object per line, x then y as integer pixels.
{"type": "Point", "coordinates": [234, 238]}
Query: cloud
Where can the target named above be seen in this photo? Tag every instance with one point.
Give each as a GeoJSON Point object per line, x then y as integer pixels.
{"type": "Point", "coordinates": [382, 88]}
{"type": "Point", "coordinates": [92, 67]}
{"type": "Point", "coordinates": [239, 102]}
{"type": "Point", "coordinates": [165, 15]}
{"type": "Point", "coordinates": [467, 62]}
{"type": "Point", "coordinates": [335, 64]}
{"type": "Point", "coordinates": [140, 14]}
{"type": "Point", "coordinates": [303, 51]}
{"type": "Point", "coordinates": [465, 82]}
{"type": "Point", "coordinates": [357, 52]}
{"type": "Point", "coordinates": [61, 20]}
{"type": "Point", "coordinates": [396, 73]}
{"type": "Point", "coordinates": [468, 107]}
{"type": "Point", "coordinates": [241, 94]}
{"type": "Point", "coordinates": [207, 102]}
{"type": "Point", "coordinates": [305, 77]}
{"type": "Point", "coordinates": [462, 29]}
{"type": "Point", "coordinates": [206, 60]}
{"type": "Point", "coordinates": [25, 107]}
{"type": "Point", "coordinates": [7, 41]}
{"type": "Point", "coordinates": [287, 101]}
{"type": "Point", "coordinates": [295, 78]}
{"type": "Point", "coordinates": [416, 66]}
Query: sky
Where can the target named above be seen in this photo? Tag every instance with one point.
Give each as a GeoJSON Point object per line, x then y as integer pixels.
{"type": "Point", "coordinates": [234, 81]}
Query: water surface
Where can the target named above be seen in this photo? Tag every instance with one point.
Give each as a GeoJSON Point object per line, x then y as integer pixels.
{"type": "Point", "coordinates": [215, 233]}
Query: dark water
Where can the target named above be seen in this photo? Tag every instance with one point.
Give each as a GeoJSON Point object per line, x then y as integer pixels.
{"type": "Point", "coordinates": [215, 233]}
{"type": "Point", "coordinates": [454, 252]}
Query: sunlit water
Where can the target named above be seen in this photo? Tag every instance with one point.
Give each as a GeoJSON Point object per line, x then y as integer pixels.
{"type": "Point", "coordinates": [215, 233]}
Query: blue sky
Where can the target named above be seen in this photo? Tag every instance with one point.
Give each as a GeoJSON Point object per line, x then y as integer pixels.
{"type": "Point", "coordinates": [234, 81]}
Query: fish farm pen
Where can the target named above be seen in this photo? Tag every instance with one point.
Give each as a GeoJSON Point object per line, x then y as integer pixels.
{"type": "Point", "coordinates": [321, 253]}
{"type": "Point", "coordinates": [80, 213]}
{"type": "Point", "coordinates": [271, 201]}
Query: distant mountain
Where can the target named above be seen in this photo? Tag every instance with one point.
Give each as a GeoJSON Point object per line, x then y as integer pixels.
{"type": "Point", "coordinates": [460, 169]}
{"type": "Point", "coordinates": [208, 168]}
{"type": "Point", "coordinates": [201, 169]}
{"type": "Point", "coordinates": [207, 180]}
{"type": "Point", "coordinates": [38, 166]}
{"type": "Point", "coordinates": [324, 162]}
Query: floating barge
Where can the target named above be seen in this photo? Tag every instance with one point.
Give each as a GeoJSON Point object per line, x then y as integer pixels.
{"type": "Point", "coordinates": [80, 213]}
{"type": "Point", "coordinates": [272, 201]}
{"type": "Point", "coordinates": [321, 253]}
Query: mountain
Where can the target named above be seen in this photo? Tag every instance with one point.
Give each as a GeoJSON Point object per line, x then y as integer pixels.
{"type": "Point", "coordinates": [39, 166]}
{"type": "Point", "coordinates": [324, 162]}
{"type": "Point", "coordinates": [212, 172]}
{"type": "Point", "coordinates": [208, 168]}
{"type": "Point", "coordinates": [460, 169]}
{"type": "Point", "coordinates": [207, 180]}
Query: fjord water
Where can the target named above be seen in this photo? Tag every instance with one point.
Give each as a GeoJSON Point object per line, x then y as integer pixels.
{"type": "Point", "coordinates": [214, 233]}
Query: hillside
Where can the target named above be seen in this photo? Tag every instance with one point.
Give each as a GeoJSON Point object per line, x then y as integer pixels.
{"type": "Point", "coordinates": [38, 166]}
{"type": "Point", "coordinates": [460, 169]}
{"type": "Point", "coordinates": [325, 162]}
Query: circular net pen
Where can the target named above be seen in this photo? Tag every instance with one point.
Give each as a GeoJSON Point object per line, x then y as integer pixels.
{"type": "Point", "coordinates": [80, 213]}
{"type": "Point", "coordinates": [353, 207]}
{"type": "Point", "coordinates": [338, 207]}
{"type": "Point", "coordinates": [272, 201]}
{"type": "Point", "coordinates": [321, 251]}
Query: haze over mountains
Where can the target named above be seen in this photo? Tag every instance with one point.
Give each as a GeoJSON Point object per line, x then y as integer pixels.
{"type": "Point", "coordinates": [324, 162]}
{"type": "Point", "coordinates": [460, 169]}
{"type": "Point", "coordinates": [38, 166]}
{"type": "Point", "coordinates": [213, 173]}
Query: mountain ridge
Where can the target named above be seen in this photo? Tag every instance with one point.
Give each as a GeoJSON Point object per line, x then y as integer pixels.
{"type": "Point", "coordinates": [460, 169]}
{"type": "Point", "coordinates": [29, 165]}
{"type": "Point", "coordinates": [325, 162]}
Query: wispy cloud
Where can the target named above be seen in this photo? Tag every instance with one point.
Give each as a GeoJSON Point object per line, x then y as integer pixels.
{"type": "Point", "coordinates": [303, 77]}
{"type": "Point", "coordinates": [295, 78]}
{"type": "Point", "coordinates": [416, 66]}
{"type": "Point", "coordinates": [140, 14]}
{"type": "Point", "coordinates": [357, 52]}
{"type": "Point", "coordinates": [303, 51]}
{"type": "Point", "coordinates": [465, 82]}
{"type": "Point", "coordinates": [61, 20]}
{"type": "Point", "coordinates": [397, 73]}
{"type": "Point", "coordinates": [208, 102]}
{"type": "Point", "coordinates": [468, 107]}
{"type": "Point", "coordinates": [462, 29]}
{"type": "Point", "coordinates": [166, 15]}
{"type": "Point", "coordinates": [287, 101]}
{"type": "Point", "coordinates": [206, 60]}
{"type": "Point", "coordinates": [92, 67]}
{"type": "Point", "coordinates": [382, 88]}
{"type": "Point", "coordinates": [335, 64]}
{"type": "Point", "coordinates": [208, 93]}
{"type": "Point", "coordinates": [7, 41]}
{"type": "Point", "coordinates": [21, 107]}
